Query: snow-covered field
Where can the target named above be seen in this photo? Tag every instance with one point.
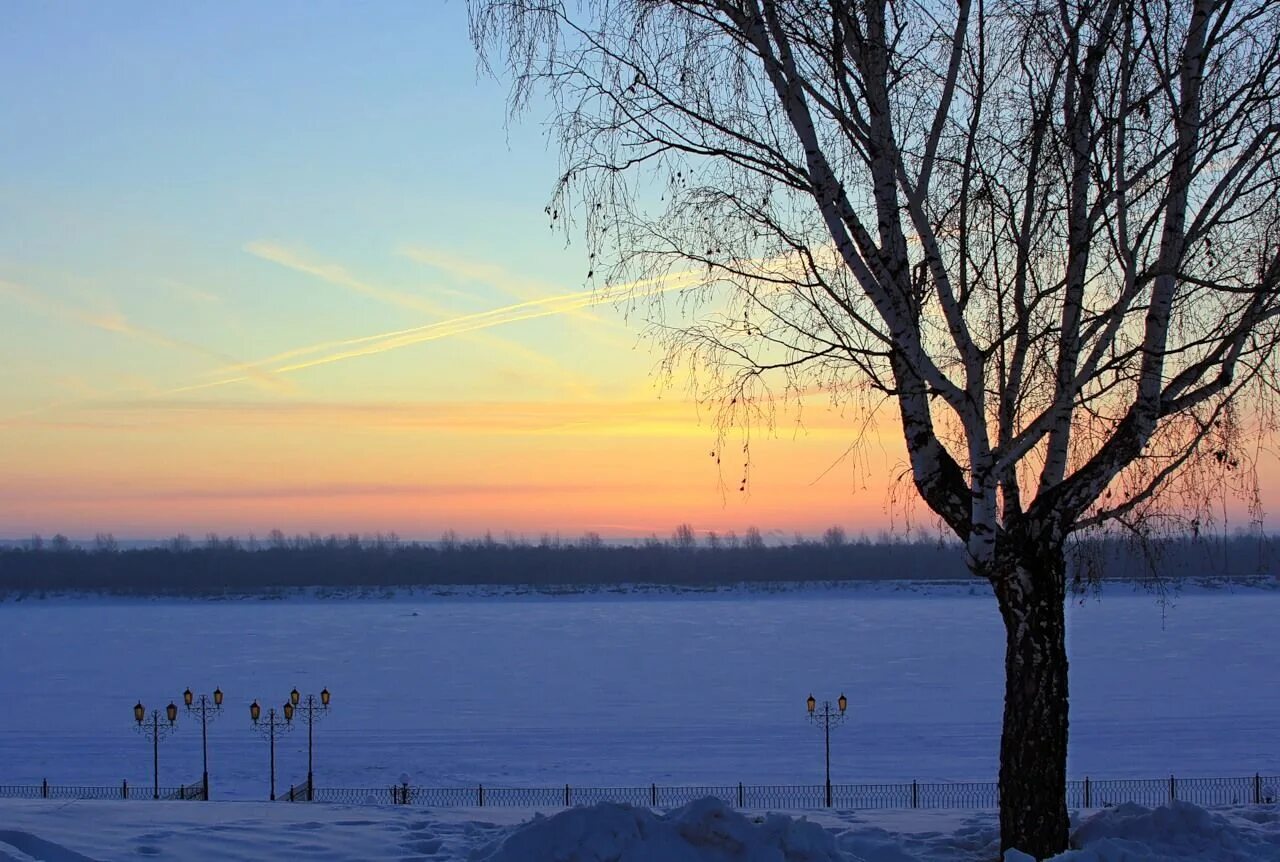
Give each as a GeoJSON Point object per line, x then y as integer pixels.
{"type": "Point", "coordinates": [618, 689]}
{"type": "Point", "coordinates": [702, 832]}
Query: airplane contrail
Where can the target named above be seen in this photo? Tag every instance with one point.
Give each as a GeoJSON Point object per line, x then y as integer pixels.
{"type": "Point", "coordinates": [370, 345]}
{"type": "Point", "coordinates": [339, 276]}
{"type": "Point", "coordinates": [120, 325]}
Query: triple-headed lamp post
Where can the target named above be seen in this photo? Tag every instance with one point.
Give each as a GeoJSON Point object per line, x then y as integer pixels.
{"type": "Point", "coordinates": [311, 710]}
{"type": "Point", "coordinates": [825, 718]}
{"type": "Point", "coordinates": [206, 712]}
{"type": "Point", "coordinates": [155, 731]}
{"type": "Point", "coordinates": [268, 725]}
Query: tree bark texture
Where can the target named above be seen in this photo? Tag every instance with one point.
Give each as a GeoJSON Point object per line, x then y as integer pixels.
{"type": "Point", "coordinates": [1033, 744]}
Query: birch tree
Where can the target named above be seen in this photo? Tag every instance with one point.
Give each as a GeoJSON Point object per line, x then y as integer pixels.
{"type": "Point", "coordinates": [1045, 231]}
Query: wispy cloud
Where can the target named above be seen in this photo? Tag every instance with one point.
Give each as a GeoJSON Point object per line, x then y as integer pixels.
{"type": "Point", "coordinates": [513, 284]}
{"type": "Point", "coordinates": [644, 418]}
{"type": "Point", "coordinates": [518, 286]}
{"type": "Point", "coordinates": [501, 418]}
{"type": "Point", "coordinates": [341, 277]}
{"type": "Point", "coordinates": [339, 351]}
{"type": "Point", "coordinates": [117, 323]}
{"type": "Point", "coordinates": [468, 323]}
{"type": "Point", "coordinates": [192, 294]}
{"type": "Point", "coordinates": [311, 491]}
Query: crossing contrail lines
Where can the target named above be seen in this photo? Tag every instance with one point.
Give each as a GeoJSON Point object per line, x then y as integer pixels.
{"type": "Point", "coordinates": [301, 358]}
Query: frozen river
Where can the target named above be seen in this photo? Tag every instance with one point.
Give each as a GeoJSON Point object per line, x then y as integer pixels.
{"type": "Point", "coordinates": [626, 689]}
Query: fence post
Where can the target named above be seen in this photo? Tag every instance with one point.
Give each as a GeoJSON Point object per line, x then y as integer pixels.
{"type": "Point", "coordinates": [1087, 798]}
{"type": "Point", "coordinates": [1173, 789]}
{"type": "Point", "coordinates": [482, 796]}
{"type": "Point", "coordinates": [566, 796]}
{"type": "Point", "coordinates": [915, 794]}
{"type": "Point", "coordinates": [741, 804]}
{"type": "Point", "coordinates": [653, 795]}
{"type": "Point", "coordinates": [44, 788]}
{"type": "Point", "coordinates": [124, 789]}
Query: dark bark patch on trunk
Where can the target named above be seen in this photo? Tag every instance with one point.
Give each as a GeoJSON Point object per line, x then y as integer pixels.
{"type": "Point", "coordinates": [1033, 744]}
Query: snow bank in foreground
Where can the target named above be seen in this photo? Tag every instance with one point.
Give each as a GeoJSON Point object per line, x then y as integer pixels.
{"type": "Point", "coordinates": [710, 831]}
{"type": "Point", "coordinates": [703, 831]}
{"type": "Point", "coordinates": [1131, 833]}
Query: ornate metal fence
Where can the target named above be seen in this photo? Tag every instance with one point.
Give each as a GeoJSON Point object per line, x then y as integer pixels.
{"type": "Point", "coordinates": [193, 791]}
{"type": "Point", "coordinates": [123, 790]}
{"type": "Point", "coordinates": [1085, 793]}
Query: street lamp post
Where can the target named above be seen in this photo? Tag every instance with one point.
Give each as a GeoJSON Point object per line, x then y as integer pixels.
{"type": "Point", "coordinates": [205, 711]}
{"type": "Point", "coordinates": [268, 727]}
{"type": "Point", "coordinates": [312, 708]}
{"type": "Point", "coordinates": [155, 731]}
{"type": "Point", "coordinates": [825, 718]}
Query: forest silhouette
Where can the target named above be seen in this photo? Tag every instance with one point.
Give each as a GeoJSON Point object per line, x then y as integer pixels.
{"type": "Point", "coordinates": [228, 566]}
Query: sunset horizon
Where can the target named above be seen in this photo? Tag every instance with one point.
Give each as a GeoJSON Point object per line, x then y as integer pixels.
{"type": "Point", "coordinates": [233, 308]}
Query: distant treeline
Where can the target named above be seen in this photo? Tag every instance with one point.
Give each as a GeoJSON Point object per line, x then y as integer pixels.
{"type": "Point", "coordinates": [220, 566]}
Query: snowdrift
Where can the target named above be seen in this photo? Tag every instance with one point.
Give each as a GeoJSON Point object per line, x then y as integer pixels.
{"type": "Point", "coordinates": [1178, 831]}
{"type": "Point", "coordinates": [703, 831]}
{"type": "Point", "coordinates": [710, 831]}
{"type": "Point", "coordinates": [706, 830]}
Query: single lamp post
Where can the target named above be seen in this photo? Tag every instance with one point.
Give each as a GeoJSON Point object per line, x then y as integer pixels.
{"type": "Point", "coordinates": [207, 707]}
{"type": "Point", "coordinates": [155, 731]}
{"type": "Point", "coordinates": [268, 726]}
{"type": "Point", "coordinates": [311, 708]}
{"type": "Point", "coordinates": [825, 718]}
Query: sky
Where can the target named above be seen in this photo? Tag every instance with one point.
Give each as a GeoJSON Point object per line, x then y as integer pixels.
{"type": "Point", "coordinates": [286, 266]}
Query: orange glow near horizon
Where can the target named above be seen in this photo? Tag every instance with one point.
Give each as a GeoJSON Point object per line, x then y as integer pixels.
{"type": "Point", "coordinates": [621, 469]}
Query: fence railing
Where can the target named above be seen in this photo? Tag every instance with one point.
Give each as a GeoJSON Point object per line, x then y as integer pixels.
{"type": "Point", "coordinates": [123, 790]}
{"type": "Point", "coordinates": [300, 792]}
{"type": "Point", "coordinates": [1085, 793]}
{"type": "Point", "coordinates": [194, 791]}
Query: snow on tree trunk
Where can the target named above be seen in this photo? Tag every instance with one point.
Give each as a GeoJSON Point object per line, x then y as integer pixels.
{"type": "Point", "coordinates": [1033, 744]}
